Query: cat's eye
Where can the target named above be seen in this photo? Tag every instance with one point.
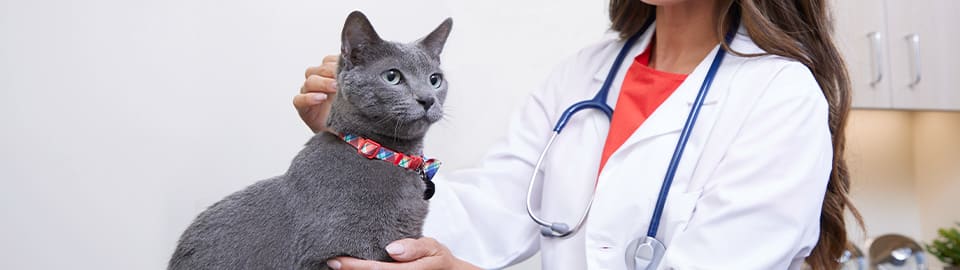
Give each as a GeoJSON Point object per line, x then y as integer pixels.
{"type": "Point", "coordinates": [436, 80]}
{"type": "Point", "coordinates": [392, 76]}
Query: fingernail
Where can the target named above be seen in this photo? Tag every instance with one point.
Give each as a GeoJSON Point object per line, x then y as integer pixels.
{"type": "Point", "coordinates": [333, 85]}
{"type": "Point", "coordinates": [319, 97]}
{"type": "Point", "coordinates": [333, 264]}
{"type": "Point", "coordinates": [395, 249]}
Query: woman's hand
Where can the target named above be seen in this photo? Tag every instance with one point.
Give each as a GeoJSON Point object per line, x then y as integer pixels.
{"type": "Point", "coordinates": [411, 254]}
{"type": "Point", "coordinates": [317, 93]}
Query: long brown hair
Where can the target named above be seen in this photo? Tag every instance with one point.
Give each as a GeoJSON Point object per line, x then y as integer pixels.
{"type": "Point", "coordinates": [800, 30]}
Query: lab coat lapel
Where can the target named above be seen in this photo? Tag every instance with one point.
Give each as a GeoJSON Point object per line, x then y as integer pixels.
{"type": "Point", "coordinates": [671, 115]}
{"type": "Point", "coordinates": [603, 127]}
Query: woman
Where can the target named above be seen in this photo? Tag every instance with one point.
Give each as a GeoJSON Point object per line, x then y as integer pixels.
{"type": "Point", "coordinates": [762, 183]}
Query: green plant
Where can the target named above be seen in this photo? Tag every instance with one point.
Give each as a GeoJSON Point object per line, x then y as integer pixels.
{"type": "Point", "coordinates": [947, 246]}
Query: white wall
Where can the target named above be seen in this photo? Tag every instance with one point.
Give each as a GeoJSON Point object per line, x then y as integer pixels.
{"type": "Point", "coordinates": [880, 157]}
{"type": "Point", "coordinates": [937, 151]}
{"type": "Point", "coordinates": [905, 171]}
{"type": "Point", "coordinates": [120, 120]}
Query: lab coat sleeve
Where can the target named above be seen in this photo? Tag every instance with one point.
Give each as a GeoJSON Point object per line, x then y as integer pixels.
{"type": "Point", "coordinates": [479, 213]}
{"type": "Point", "coordinates": [761, 207]}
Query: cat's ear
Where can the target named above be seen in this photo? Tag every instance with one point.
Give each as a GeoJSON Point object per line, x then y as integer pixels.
{"type": "Point", "coordinates": [357, 33]}
{"type": "Point", "coordinates": [435, 40]}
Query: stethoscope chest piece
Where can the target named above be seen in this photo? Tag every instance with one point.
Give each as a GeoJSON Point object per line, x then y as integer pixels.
{"type": "Point", "coordinates": [644, 253]}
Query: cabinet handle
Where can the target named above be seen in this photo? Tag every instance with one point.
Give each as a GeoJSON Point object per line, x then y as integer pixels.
{"type": "Point", "coordinates": [876, 48]}
{"type": "Point", "coordinates": [913, 41]}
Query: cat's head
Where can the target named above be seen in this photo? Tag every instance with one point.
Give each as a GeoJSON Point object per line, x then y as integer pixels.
{"type": "Point", "coordinates": [391, 89]}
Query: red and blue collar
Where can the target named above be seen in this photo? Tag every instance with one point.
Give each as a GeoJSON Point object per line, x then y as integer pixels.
{"type": "Point", "coordinates": [370, 149]}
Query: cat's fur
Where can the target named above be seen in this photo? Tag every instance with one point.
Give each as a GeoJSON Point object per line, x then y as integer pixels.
{"type": "Point", "coordinates": [333, 201]}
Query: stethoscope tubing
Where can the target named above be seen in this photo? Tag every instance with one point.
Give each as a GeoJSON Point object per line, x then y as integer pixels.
{"type": "Point", "coordinates": [599, 102]}
{"type": "Point", "coordinates": [559, 229]}
{"type": "Point", "coordinates": [682, 142]}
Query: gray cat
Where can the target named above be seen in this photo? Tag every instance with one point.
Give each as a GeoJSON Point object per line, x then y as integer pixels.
{"type": "Point", "coordinates": [333, 201]}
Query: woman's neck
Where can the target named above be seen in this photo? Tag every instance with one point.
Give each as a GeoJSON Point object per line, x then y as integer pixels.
{"type": "Point", "coordinates": [684, 35]}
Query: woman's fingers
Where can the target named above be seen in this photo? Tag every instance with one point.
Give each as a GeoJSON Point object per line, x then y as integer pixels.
{"type": "Point", "coordinates": [347, 263]}
{"type": "Point", "coordinates": [405, 250]}
{"type": "Point", "coordinates": [313, 109]}
{"type": "Point", "coordinates": [318, 90]}
{"type": "Point", "coordinates": [333, 58]}
{"type": "Point", "coordinates": [421, 254]}
{"type": "Point", "coordinates": [317, 83]}
{"type": "Point", "coordinates": [308, 99]}
{"type": "Point", "coordinates": [326, 69]}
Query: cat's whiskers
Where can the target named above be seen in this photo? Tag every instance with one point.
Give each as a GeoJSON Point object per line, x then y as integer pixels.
{"type": "Point", "coordinates": [446, 115]}
{"type": "Point", "coordinates": [385, 119]}
{"type": "Point", "coordinates": [396, 129]}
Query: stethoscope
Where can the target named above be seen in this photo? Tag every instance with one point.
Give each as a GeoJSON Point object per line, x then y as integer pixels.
{"type": "Point", "coordinates": [645, 252]}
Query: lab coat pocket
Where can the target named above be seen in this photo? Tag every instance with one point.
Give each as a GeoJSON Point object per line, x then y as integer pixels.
{"type": "Point", "coordinates": [677, 213]}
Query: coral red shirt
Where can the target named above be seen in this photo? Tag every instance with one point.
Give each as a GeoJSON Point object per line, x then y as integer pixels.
{"type": "Point", "coordinates": [643, 90]}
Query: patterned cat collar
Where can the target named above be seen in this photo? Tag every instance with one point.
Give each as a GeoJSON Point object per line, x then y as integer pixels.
{"type": "Point", "coordinates": [372, 150]}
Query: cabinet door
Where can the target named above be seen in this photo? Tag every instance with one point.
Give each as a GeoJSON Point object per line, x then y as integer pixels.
{"type": "Point", "coordinates": [860, 33]}
{"type": "Point", "coordinates": [948, 65]}
{"type": "Point", "coordinates": [923, 39]}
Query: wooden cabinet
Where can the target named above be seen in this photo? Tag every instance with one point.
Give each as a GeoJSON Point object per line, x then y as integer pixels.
{"type": "Point", "coordinates": [900, 53]}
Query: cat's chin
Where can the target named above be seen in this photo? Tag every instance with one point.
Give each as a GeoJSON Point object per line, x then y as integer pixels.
{"type": "Point", "coordinates": [405, 129]}
{"type": "Point", "coordinates": [430, 119]}
{"type": "Point", "coordinates": [423, 119]}
{"type": "Point", "coordinates": [408, 135]}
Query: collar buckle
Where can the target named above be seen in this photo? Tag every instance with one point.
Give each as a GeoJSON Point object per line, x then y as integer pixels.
{"type": "Point", "coordinates": [368, 148]}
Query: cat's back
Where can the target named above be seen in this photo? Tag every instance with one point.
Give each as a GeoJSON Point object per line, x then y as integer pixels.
{"type": "Point", "coordinates": [242, 231]}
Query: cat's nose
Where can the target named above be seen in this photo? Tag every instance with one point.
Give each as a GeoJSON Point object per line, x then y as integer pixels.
{"type": "Point", "coordinates": [426, 103]}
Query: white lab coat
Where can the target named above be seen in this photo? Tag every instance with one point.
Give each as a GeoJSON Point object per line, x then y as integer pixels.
{"type": "Point", "coordinates": [747, 194]}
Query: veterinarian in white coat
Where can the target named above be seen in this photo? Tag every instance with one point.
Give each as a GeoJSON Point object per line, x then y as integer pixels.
{"type": "Point", "coordinates": [749, 187]}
